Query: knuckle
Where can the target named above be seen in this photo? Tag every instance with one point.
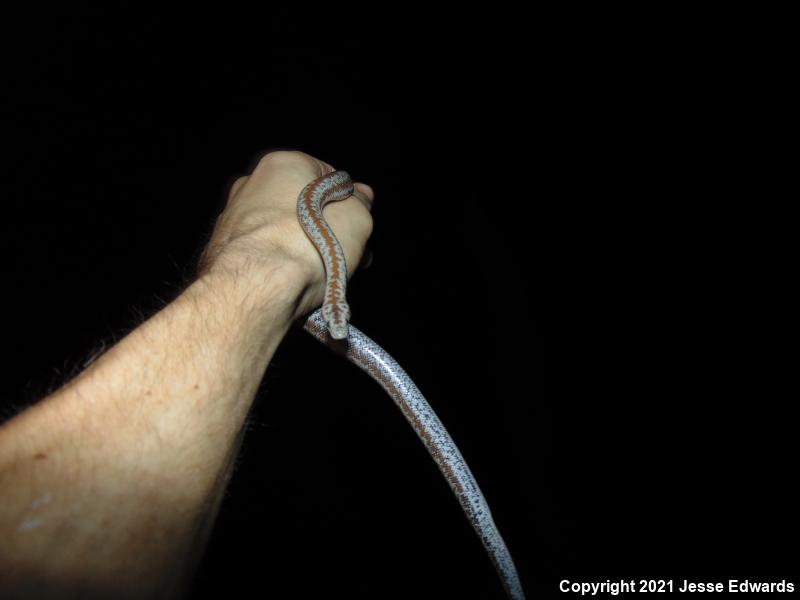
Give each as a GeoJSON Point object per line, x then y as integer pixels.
{"type": "Point", "coordinates": [237, 184]}
{"type": "Point", "coordinates": [279, 157]}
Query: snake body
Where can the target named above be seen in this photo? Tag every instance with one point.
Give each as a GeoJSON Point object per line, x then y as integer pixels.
{"type": "Point", "coordinates": [330, 323]}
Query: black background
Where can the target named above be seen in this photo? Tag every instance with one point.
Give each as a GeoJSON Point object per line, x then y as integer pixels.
{"type": "Point", "coordinates": [659, 447]}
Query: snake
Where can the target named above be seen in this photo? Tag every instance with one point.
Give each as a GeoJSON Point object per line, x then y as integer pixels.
{"type": "Point", "coordinates": [330, 326]}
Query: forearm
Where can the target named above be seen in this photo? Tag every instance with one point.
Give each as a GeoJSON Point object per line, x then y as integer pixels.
{"type": "Point", "coordinates": [109, 483]}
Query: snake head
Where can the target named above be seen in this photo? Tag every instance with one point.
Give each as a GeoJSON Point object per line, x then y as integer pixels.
{"type": "Point", "coordinates": [337, 329]}
{"type": "Point", "coordinates": [336, 315]}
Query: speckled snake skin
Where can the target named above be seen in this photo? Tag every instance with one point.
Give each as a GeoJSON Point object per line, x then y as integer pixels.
{"type": "Point", "coordinates": [330, 323]}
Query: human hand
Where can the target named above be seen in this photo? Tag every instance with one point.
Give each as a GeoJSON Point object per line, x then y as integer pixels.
{"type": "Point", "coordinates": [259, 226]}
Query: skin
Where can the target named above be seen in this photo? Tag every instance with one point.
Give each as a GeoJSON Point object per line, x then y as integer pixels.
{"type": "Point", "coordinates": [109, 487]}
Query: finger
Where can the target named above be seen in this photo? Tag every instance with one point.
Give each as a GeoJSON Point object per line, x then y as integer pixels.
{"type": "Point", "coordinates": [237, 185]}
{"type": "Point", "coordinates": [364, 193]}
{"type": "Point", "coordinates": [366, 259]}
{"type": "Point", "coordinates": [324, 168]}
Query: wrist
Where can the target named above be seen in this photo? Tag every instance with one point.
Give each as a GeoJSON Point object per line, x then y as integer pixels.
{"type": "Point", "coordinates": [265, 289]}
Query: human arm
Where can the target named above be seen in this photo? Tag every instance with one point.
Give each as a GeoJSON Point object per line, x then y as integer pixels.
{"type": "Point", "coordinates": [109, 486]}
